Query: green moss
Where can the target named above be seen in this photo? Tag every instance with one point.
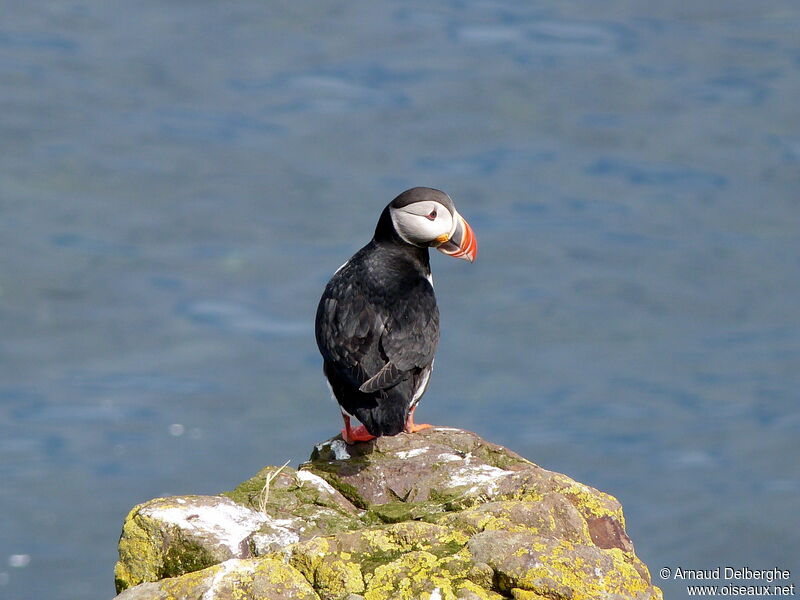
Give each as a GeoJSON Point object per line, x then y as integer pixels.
{"type": "Point", "coordinates": [345, 489]}
{"type": "Point", "coordinates": [373, 560]}
{"type": "Point", "coordinates": [139, 552]}
{"type": "Point", "coordinates": [452, 501]}
{"type": "Point", "coordinates": [145, 555]}
{"type": "Point", "coordinates": [328, 520]}
{"type": "Point", "coordinates": [524, 494]}
{"type": "Point", "coordinates": [397, 512]}
{"type": "Point", "coordinates": [185, 557]}
{"type": "Point", "coordinates": [291, 497]}
{"type": "Point", "coordinates": [447, 548]}
{"type": "Point", "coordinates": [532, 543]}
{"type": "Point", "coordinates": [286, 493]}
{"type": "Point", "coordinates": [498, 457]}
{"type": "Point", "coordinates": [247, 492]}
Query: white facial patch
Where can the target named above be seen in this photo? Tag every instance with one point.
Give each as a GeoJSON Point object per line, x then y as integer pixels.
{"type": "Point", "coordinates": [414, 226]}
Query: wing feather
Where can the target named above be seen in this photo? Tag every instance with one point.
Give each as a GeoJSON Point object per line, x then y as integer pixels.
{"type": "Point", "coordinates": [377, 337]}
{"type": "Point", "coordinates": [387, 377]}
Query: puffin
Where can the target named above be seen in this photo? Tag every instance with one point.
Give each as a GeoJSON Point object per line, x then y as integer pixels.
{"type": "Point", "coordinates": [377, 323]}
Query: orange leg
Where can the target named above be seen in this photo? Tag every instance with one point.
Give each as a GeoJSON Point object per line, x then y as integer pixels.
{"type": "Point", "coordinates": [412, 427]}
{"type": "Point", "coordinates": [359, 434]}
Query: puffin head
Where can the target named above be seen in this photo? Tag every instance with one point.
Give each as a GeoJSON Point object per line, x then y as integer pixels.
{"type": "Point", "coordinates": [427, 217]}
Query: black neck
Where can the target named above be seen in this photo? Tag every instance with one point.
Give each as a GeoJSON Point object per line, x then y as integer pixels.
{"type": "Point", "coordinates": [387, 236]}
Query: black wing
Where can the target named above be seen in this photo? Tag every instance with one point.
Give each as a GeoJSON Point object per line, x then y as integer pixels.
{"type": "Point", "coordinates": [411, 332]}
{"type": "Point", "coordinates": [376, 337]}
{"type": "Point", "coordinates": [347, 327]}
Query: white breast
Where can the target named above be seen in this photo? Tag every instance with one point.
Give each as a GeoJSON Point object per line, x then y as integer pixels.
{"type": "Point", "coordinates": [423, 385]}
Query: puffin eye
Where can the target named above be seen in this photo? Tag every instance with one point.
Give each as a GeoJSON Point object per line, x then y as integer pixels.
{"type": "Point", "coordinates": [432, 215]}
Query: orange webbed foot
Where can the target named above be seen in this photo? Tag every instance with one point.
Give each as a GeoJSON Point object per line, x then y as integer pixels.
{"type": "Point", "coordinates": [359, 434]}
{"type": "Point", "coordinates": [415, 427]}
{"type": "Point", "coordinates": [412, 427]}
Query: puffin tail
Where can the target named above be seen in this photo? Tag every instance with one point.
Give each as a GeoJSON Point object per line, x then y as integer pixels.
{"type": "Point", "coordinates": [387, 418]}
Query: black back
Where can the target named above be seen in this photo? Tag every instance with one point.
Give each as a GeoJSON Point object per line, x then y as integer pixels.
{"type": "Point", "coordinates": [377, 327]}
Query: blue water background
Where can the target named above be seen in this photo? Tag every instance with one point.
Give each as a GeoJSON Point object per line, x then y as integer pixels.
{"type": "Point", "coordinates": [178, 180]}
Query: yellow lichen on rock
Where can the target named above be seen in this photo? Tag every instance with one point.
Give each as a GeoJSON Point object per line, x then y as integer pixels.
{"type": "Point", "coordinates": [137, 555]}
{"type": "Point", "coordinates": [467, 590]}
{"type": "Point", "coordinates": [141, 549]}
{"type": "Point", "coordinates": [577, 578]}
{"type": "Point", "coordinates": [235, 579]}
{"type": "Point", "coordinates": [191, 585]}
{"type": "Point", "coordinates": [274, 580]}
{"type": "Point", "coordinates": [442, 515]}
{"type": "Point", "coordinates": [414, 575]}
{"type": "Point", "coordinates": [336, 577]}
{"type": "Point", "coordinates": [590, 500]}
{"type": "Point", "coordinates": [559, 567]}
{"type": "Point", "coordinates": [518, 594]}
{"type": "Point", "coordinates": [553, 516]}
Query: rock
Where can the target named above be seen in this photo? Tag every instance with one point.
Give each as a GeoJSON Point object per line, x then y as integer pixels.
{"type": "Point", "coordinates": [440, 514]}
{"type": "Point", "coordinates": [267, 579]}
{"type": "Point", "coordinates": [167, 537]}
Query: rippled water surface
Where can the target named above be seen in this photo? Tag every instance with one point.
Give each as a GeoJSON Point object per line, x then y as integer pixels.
{"type": "Point", "coordinates": [180, 179]}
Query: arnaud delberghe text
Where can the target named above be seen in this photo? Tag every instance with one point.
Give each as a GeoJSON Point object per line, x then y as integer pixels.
{"type": "Point", "coordinates": [741, 573]}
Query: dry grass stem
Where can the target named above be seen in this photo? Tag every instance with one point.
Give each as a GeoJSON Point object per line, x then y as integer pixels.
{"type": "Point", "coordinates": [263, 495]}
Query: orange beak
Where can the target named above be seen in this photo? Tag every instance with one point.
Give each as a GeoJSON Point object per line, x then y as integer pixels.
{"type": "Point", "coordinates": [462, 244]}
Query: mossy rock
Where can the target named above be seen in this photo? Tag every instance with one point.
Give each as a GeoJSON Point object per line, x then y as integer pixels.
{"type": "Point", "coordinates": [440, 514]}
{"type": "Point", "coordinates": [235, 579]}
{"type": "Point", "coordinates": [167, 537]}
